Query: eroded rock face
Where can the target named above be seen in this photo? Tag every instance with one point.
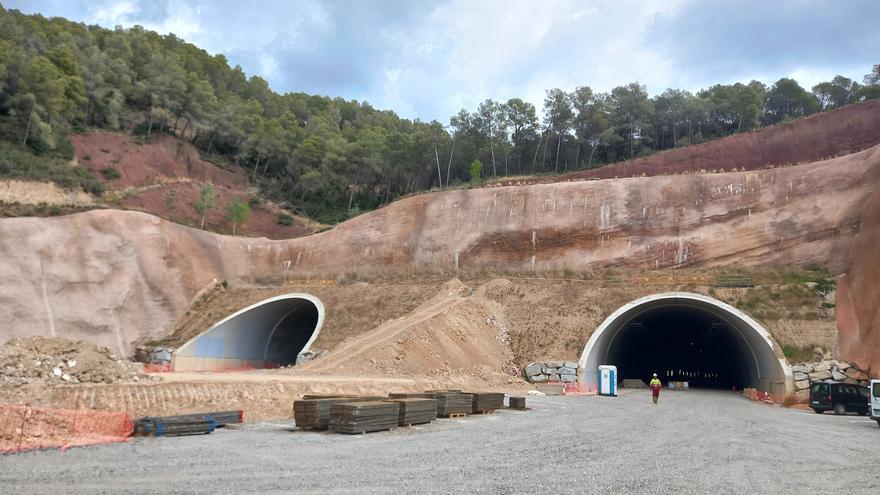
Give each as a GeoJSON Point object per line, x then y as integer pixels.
{"type": "Point", "coordinates": [115, 277]}
{"type": "Point", "coordinates": [858, 294]}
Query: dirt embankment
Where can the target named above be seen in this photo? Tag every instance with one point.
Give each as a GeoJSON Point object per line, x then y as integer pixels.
{"type": "Point", "coordinates": [541, 319]}
{"type": "Point", "coordinates": [165, 177]}
{"type": "Point", "coordinates": [818, 137]}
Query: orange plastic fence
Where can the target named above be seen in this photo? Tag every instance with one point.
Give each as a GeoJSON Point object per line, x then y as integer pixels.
{"type": "Point", "coordinates": [28, 428]}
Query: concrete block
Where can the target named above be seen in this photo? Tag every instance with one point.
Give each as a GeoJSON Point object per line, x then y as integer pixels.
{"type": "Point", "coordinates": [568, 378]}
{"type": "Point", "coordinates": [567, 371]}
{"type": "Point", "coordinates": [551, 388]}
{"type": "Point", "coordinates": [570, 364]}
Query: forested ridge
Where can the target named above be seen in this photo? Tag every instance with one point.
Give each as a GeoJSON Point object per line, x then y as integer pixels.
{"type": "Point", "coordinates": [331, 158]}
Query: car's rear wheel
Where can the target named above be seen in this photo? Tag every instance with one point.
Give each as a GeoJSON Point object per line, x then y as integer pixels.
{"type": "Point", "coordinates": [878, 422]}
{"type": "Point", "coordinates": [862, 413]}
{"type": "Point", "coordinates": [817, 411]}
{"type": "Point", "coordinates": [839, 409]}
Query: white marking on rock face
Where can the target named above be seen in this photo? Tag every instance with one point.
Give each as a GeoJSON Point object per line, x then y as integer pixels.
{"type": "Point", "coordinates": [298, 254]}
{"type": "Point", "coordinates": [604, 214]}
{"type": "Point", "coordinates": [534, 238]}
{"type": "Point", "coordinates": [509, 214]}
{"type": "Point", "coordinates": [49, 315]}
{"type": "Point", "coordinates": [286, 265]}
{"type": "Point", "coordinates": [628, 246]}
{"type": "Point", "coordinates": [457, 252]}
{"type": "Point", "coordinates": [533, 262]}
{"type": "Point", "coordinates": [120, 347]}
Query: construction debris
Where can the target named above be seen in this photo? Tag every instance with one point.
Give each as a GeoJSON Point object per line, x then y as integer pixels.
{"type": "Point", "coordinates": [363, 417]}
{"type": "Point", "coordinates": [55, 361]}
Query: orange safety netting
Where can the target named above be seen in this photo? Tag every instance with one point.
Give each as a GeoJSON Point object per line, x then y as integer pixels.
{"type": "Point", "coordinates": [28, 428]}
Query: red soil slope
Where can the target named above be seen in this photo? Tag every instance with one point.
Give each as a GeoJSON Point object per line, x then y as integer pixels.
{"type": "Point", "coordinates": [165, 177]}
{"type": "Point", "coordinates": [818, 137]}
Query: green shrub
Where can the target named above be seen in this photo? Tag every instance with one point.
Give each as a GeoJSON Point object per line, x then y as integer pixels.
{"type": "Point", "coordinates": [18, 162]}
{"type": "Point", "coordinates": [110, 173]}
{"type": "Point", "coordinates": [285, 219]}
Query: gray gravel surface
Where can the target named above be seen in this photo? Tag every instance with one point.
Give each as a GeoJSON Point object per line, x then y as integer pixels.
{"type": "Point", "coordinates": [692, 442]}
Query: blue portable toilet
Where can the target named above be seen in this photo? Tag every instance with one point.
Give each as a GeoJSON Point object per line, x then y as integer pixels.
{"type": "Point", "coordinates": [608, 380]}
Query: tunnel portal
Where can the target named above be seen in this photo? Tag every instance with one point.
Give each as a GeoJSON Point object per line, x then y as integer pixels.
{"type": "Point", "coordinates": [688, 337]}
{"type": "Point", "coordinates": [268, 334]}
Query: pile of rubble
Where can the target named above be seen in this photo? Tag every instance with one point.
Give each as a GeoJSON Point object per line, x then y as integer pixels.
{"type": "Point", "coordinates": [551, 371]}
{"type": "Point", "coordinates": [827, 369]}
{"type": "Point", "coordinates": [54, 361]}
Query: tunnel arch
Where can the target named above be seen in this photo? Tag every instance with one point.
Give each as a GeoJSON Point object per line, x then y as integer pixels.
{"type": "Point", "coordinates": [267, 334]}
{"type": "Point", "coordinates": [746, 346]}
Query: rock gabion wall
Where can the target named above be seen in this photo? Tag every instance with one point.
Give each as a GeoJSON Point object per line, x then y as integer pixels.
{"type": "Point", "coordinates": [552, 372]}
{"type": "Point", "coordinates": [830, 369]}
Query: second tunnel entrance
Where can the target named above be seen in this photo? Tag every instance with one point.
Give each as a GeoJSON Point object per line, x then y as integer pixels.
{"type": "Point", "coordinates": [688, 337]}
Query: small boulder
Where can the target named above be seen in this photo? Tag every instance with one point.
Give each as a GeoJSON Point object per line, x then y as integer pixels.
{"type": "Point", "coordinates": [553, 378]}
{"type": "Point", "coordinates": [538, 378]}
{"type": "Point", "coordinates": [567, 371]}
{"type": "Point", "coordinates": [570, 364]}
{"type": "Point", "coordinates": [799, 376]}
{"type": "Point", "coordinates": [802, 384]}
{"type": "Point", "coordinates": [533, 369]}
{"type": "Point", "coordinates": [823, 366]}
{"type": "Point", "coordinates": [820, 375]}
{"type": "Point", "coordinates": [837, 375]}
{"type": "Point", "coordinates": [568, 378]}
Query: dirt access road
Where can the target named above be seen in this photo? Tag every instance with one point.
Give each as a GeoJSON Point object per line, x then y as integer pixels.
{"type": "Point", "coordinates": [693, 442]}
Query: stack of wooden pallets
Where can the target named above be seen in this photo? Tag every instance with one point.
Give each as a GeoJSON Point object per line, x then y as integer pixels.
{"type": "Point", "coordinates": [453, 404]}
{"type": "Point", "coordinates": [315, 413]}
{"type": "Point", "coordinates": [363, 417]}
{"type": "Point", "coordinates": [415, 410]}
{"type": "Point", "coordinates": [518, 403]}
{"type": "Point", "coordinates": [485, 402]}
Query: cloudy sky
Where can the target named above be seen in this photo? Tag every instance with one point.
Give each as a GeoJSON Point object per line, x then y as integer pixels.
{"type": "Point", "coordinates": [428, 59]}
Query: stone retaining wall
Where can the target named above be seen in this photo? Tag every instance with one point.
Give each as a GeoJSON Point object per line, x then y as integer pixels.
{"type": "Point", "coordinates": [829, 369]}
{"type": "Point", "coordinates": [552, 371]}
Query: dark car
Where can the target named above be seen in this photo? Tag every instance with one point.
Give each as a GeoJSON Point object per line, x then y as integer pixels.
{"type": "Point", "coordinates": [839, 397]}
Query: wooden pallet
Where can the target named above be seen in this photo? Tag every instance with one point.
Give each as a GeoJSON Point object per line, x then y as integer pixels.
{"type": "Point", "coordinates": [454, 415]}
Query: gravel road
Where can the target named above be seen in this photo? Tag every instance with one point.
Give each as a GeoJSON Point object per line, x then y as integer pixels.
{"type": "Point", "coordinates": [692, 442]}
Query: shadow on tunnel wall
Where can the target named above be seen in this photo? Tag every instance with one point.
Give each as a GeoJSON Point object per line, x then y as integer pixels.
{"type": "Point", "coordinates": [268, 334]}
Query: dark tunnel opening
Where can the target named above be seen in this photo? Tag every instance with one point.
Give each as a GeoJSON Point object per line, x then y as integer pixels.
{"type": "Point", "coordinates": [681, 343]}
{"type": "Point", "coordinates": [291, 334]}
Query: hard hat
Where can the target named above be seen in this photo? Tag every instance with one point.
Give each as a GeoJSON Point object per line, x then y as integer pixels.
{"type": "Point", "coordinates": [655, 375]}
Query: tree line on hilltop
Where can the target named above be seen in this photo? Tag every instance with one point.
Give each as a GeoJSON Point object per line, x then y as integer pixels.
{"type": "Point", "coordinates": [330, 157]}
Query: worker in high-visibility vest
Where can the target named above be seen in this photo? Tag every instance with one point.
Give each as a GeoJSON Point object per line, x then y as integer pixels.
{"type": "Point", "coordinates": [655, 388]}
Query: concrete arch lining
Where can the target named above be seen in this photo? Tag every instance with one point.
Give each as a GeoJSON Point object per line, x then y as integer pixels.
{"type": "Point", "coordinates": [768, 369]}
{"type": "Point", "coordinates": [243, 339]}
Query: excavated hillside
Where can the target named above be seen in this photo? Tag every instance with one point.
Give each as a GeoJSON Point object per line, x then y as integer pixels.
{"type": "Point", "coordinates": [119, 277]}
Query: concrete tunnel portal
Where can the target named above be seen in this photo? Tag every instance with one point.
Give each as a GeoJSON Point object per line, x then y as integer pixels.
{"type": "Point", "coordinates": [268, 334]}
{"type": "Point", "coordinates": [688, 337]}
